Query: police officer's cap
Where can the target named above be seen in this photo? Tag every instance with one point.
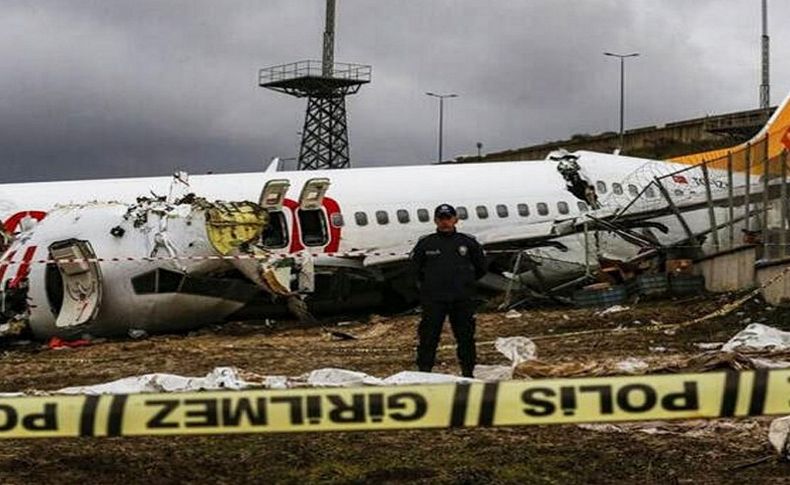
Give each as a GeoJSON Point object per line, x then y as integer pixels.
{"type": "Point", "coordinates": [444, 210]}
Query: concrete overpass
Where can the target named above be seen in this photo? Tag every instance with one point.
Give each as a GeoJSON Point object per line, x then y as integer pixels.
{"type": "Point", "coordinates": [658, 142]}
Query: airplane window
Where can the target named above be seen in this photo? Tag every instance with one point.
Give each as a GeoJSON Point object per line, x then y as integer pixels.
{"type": "Point", "coordinates": [382, 217]}
{"type": "Point", "coordinates": [501, 210]}
{"type": "Point", "coordinates": [337, 220]}
{"type": "Point", "coordinates": [275, 234]}
{"type": "Point", "coordinates": [617, 188]}
{"type": "Point", "coordinates": [582, 206]}
{"type": "Point", "coordinates": [523, 210]}
{"type": "Point", "coordinates": [403, 216]}
{"type": "Point", "coordinates": [423, 216]}
{"type": "Point", "coordinates": [543, 209]}
{"type": "Point", "coordinates": [313, 225]}
{"type": "Point", "coordinates": [600, 186]}
{"type": "Point", "coordinates": [482, 212]}
{"type": "Point", "coordinates": [633, 190]}
{"type": "Point", "coordinates": [650, 192]}
{"type": "Point", "coordinates": [462, 212]}
{"type": "Point", "coordinates": [563, 207]}
{"type": "Point", "coordinates": [157, 281]}
{"type": "Point", "coordinates": [361, 218]}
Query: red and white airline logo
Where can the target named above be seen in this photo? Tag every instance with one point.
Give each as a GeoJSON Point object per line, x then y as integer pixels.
{"type": "Point", "coordinates": [786, 139]}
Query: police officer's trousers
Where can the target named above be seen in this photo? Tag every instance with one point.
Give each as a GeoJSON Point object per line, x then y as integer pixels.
{"type": "Point", "coordinates": [462, 322]}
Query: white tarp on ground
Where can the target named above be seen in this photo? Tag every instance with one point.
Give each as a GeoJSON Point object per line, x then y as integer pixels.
{"type": "Point", "coordinates": [759, 337]}
{"type": "Point", "coordinates": [229, 378]}
{"type": "Point", "coordinates": [517, 349]}
{"type": "Point", "coordinates": [408, 377]}
{"type": "Point", "coordinates": [220, 378]}
{"type": "Point", "coordinates": [331, 377]}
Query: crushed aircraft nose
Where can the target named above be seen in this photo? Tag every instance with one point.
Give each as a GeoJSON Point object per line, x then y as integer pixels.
{"type": "Point", "coordinates": [152, 266]}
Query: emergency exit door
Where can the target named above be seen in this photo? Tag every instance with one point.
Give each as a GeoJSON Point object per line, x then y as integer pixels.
{"type": "Point", "coordinates": [81, 282]}
{"type": "Point", "coordinates": [311, 215]}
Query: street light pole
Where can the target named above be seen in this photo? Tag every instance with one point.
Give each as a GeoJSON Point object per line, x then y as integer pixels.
{"type": "Point", "coordinates": [622, 89]}
{"type": "Point", "coordinates": [441, 117]}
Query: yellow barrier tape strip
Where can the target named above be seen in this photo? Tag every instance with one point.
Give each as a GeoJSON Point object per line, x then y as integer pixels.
{"type": "Point", "coordinates": [509, 403]}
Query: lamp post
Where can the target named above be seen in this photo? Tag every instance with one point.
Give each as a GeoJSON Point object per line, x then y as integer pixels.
{"type": "Point", "coordinates": [441, 117]}
{"type": "Point", "coordinates": [622, 58]}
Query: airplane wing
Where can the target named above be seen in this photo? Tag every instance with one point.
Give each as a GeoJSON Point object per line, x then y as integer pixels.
{"type": "Point", "coordinates": [516, 237]}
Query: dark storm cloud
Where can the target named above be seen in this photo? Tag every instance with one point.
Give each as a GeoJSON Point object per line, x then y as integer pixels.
{"type": "Point", "coordinates": [95, 88]}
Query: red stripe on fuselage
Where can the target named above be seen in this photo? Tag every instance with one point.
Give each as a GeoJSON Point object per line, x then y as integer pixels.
{"type": "Point", "coordinates": [332, 207]}
{"type": "Point", "coordinates": [12, 222]}
{"type": "Point", "coordinates": [296, 240]}
{"type": "Point", "coordinates": [24, 267]}
{"type": "Point", "coordinates": [4, 266]}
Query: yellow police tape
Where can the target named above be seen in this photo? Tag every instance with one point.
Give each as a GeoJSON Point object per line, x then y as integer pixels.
{"type": "Point", "coordinates": [509, 403]}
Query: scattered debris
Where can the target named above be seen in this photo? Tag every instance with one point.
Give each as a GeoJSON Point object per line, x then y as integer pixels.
{"type": "Point", "coordinates": [601, 428]}
{"type": "Point", "coordinates": [612, 309]}
{"type": "Point", "coordinates": [493, 372]}
{"type": "Point", "coordinates": [415, 377]}
{"type": "Point", "coordinates": [137, 333]}
{"type": "Point", "coordinates": [709, 345]}
{"type": "Point", "coordinates": [759, 337]}
{"type": "Point", "coordinates": [632, 365]}
{"type": "Point", "coordinates": [517, 349]}
{"type": "Point", "coordinates": [779, 436]}
{"type": "Point", "coordinates": [57, 343]}
{"type": "Point", "coordinates": [760, 363]}
{"type": "Point", "coordinates": [690, 428]}
{"type": "Point", "coordinates": [337, 335]}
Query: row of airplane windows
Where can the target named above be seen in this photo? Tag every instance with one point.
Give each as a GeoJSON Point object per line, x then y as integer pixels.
{"type": "Point", "coordinates": [423, 215]}
{"type": "Point", "coordinates": [481, 211]}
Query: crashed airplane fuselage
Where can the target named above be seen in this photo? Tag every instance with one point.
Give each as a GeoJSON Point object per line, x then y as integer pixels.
{"type": "Point", "coordinates": [160, 264]}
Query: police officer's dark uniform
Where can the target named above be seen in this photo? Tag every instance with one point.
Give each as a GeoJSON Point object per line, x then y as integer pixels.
{"type": "Point", "coordinates": [448, 265]}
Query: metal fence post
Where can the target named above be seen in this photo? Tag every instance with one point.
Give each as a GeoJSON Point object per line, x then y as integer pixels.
{"type": "Point", "coordinates": [711, 213]}
{"type": "Point", "coordinates": [730, 209]}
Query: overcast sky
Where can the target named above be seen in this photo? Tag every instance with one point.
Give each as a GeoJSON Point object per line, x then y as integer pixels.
{"type": "Point", "coordinates": [106, 88]}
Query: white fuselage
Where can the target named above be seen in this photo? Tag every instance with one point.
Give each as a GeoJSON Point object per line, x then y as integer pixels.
{"type": "Point", "coordinates": [479, 188]}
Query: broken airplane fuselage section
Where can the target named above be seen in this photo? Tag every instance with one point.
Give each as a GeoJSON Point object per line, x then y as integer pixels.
{"type": "Point", "coordinates": [173, 266]}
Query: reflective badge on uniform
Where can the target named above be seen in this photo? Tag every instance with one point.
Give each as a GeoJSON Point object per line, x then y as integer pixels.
{"type": "Point", "coordinates": [433, 252]}
{"type": "Point", "coordinates": [462, 250]}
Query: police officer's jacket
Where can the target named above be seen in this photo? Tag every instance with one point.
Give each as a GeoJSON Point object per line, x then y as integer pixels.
{"type": "Point", "coordinates": [447, 265]}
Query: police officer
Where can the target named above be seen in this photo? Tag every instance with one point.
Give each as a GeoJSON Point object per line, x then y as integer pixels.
{"type": "Point", "coordinates": [448, 264]}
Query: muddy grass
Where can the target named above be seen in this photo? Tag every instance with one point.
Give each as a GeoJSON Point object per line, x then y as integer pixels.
{"type": "Point", "coordinates": [689, 452]}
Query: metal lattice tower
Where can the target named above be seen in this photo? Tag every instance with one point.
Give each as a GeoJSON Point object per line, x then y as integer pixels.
{"type": "Point", "coordinates": [326, 84]}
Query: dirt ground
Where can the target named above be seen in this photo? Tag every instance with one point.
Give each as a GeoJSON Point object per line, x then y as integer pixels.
{"type": "Point", "coordinates": [722, 451]}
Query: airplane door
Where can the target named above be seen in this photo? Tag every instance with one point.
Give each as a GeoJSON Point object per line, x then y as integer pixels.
{"type": "Point", "coordinates": [312, 218]}
{"type": "Point", "coordinates": [81, 282]}
{"type": "Point", "coordinates": [273, 194]}
{"type": "Point", "coordinates": [275, 234]}
{"type": "Point", "coordinates": [313, 192]}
